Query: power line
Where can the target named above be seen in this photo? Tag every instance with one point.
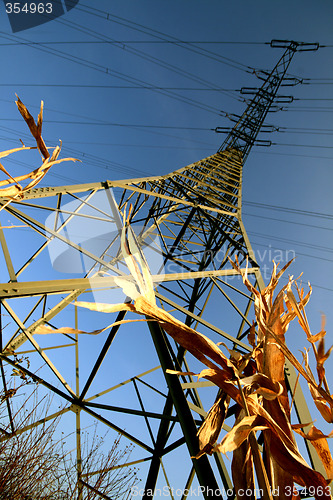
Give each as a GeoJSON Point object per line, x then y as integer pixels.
{"type": "Point", "coordinates": [132, 42]}
{"type": "Point", "coordinates": [317, 83]}
{"type": "Point", "coordinates": [150, 87]}
{"type": "Point", "coordinates": [311, 81]}
{"type": "Point", "coordinates": [315, 79]}
{"type": "Point", "coordinates": [162, 36]}
{"type": "Point", "coordinates": [312, 99]}
{"type": "Point", "coordinates": [296, 130]}
{"type": "Point", "coordinates": [308, 108]}
{"type": "Point", "coordinates": [298, 253]}
{"type": "Point", "coordinates": [111, 72]}
{"type": "Point", "coordinates": [171, 127]}
{"type": "Point", "coordinates": [287, 240]}
{"type": "Point", "coordinates": [289, 210]}
{"type": "Point", "coordinates": [112, 124]}
{"type": "Point", "coordinates": [138, 53]}
{"type": "Point", "coordinates": [291, 154]}
{"type": "Point", "coordinates": [140, 125]}
{"type": "Point", "coordinates": [302, 145]}
{"type": "Point", "coordinates": [108, 124]}
{"type": "Point", "coordinates": [287, 221]}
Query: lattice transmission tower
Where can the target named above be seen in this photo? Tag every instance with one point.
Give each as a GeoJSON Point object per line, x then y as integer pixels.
{"type": "Point", "coordinates": [189, 222]}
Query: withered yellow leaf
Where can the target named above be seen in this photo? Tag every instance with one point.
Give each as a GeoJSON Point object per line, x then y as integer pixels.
{"type": "Point", "coordinates": [10, 191]}
{"type": "Point", "coordinates": [242, 467]}
{"type": "Point", "coordinates": [3, 154]}
{"type": "Point", "coordinates": [322, 356]}
{"type": "Point", "coordinates": [263, 385]}
{"type": "Point", "coordinates": [239, 433]}
{"type": "Point", "coordinates": [34, 129]}
{"type": "Point", "coordinates": [40, 118]}
{"type": "Point", "coordinates": [212, 425]}
{"type": "Point", "coordinates": [105, 308]}
{"type": "Point", "coordinates": [46, 330]}
{"type": "Point", "coordinates": [323, 406]}
{"type": "Point", "coordinates": [320, 444]}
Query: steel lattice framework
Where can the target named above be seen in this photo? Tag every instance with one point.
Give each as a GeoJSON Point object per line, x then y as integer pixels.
{"type": "Point", "coordinates": [196, 214]}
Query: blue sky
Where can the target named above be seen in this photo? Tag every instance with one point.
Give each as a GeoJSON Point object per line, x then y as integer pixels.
{"type": "Point", "coordinates": [94, 68]}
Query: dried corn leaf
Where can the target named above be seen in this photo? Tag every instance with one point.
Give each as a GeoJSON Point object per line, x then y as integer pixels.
{"type": "Point", "coordinates": [212, 425]}
{"type": "Point", "coordinates": [324, 453]}
{"type": "Point", "coordinates": [37, 175]}
{"type": "Point", "coordinates": [197, 344]}
{"type": "Point", "coordinates": [318, 336]}
{"type": "Point", "coordinates": [34, 174]}
{"type": "Point", "coordinates": [220, 378]}
{"type": "Point", "coordinates": [34, 129]}
{"type": "Point", "coordinates": [124, 321]}
{"type": "Point", "coordinates": [55, 153]}
{"type": "Point", "coordinates": [128, 286]}
{"type": "Point", "coordinates": [47, 164]}
{"type": "Point", "coordinates": [105, 308]}
{"type": "Point", "coordinates": [322, 400]}
{"type": "Point", "coordinates": [130, 257]}
{"type": "Point", "coordinates": [299, 308]}
{"type": "Point", "coordinates": [11, 192]}
{"type": "Point", "coordinates": [40, 118]}
{"type": "Point", "coordinates": [135, 250]}
{"type": "Point", "coordinates": [313, 433]}
{"type": "Point", "coordinates": [302, 473]}
{"type": "Point", "coordinates": [178, 372]}
{"type": "Point", "coordinates": [320, 444]}
{"type": "Point", "coordinates": [252, 336]}
{"type": "Point", "coordinates": [267, 393]}
{"type": "Point", "coordinates": [322, 356]}
{"type": "Point", "coordinates": [3, 154]}
{"type": "Point", "coordinates": [46, 330]}
{"type": "Point", "coordinates": [314, 338]}
{"type": "Point", "coordinates": [257, 409]}
{"type": "Point", "coordinates": [301, 426]}
{"type": "Point", "coordinates": [322, 405]}
{"type": "Point", "coordinates": [235, 356]}
{"type": "Point", "coordinates": [263, 385]}
{"type": "Point", "coordinates": [242, 470]}
{"type": "Point", "coordinates": [305, 373]}
{"type": "Point", "coordinates": [281, 480]}
{"type": "Point", "coordinates": [239, 433]}
{"type": "Point", "coordinates": [285, 453]}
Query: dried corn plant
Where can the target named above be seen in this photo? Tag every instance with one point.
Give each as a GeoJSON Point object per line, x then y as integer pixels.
{"type": "Point", "coordinates": [255, 382]}
{"type": "Point", "coordinates": [12, 187]}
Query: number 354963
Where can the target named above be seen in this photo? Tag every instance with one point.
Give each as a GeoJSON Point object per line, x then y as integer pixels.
{"type": "Point", "coordinates": [28, 8]}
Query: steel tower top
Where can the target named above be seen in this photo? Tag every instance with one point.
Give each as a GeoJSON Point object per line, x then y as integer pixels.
{"type": "Point", "coordinates": [247, 127]}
